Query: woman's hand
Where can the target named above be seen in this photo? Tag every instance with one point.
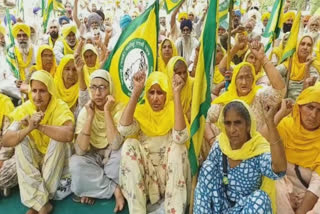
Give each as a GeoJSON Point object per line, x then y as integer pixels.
{"type": "Point", "coordinates": [139, 79]}
{"type": "Point", "coordinates": [109, 104]}
{"type": "Point", "coordinates": [34, 120]}
{"type": "Point", "coordinates": [177, 84]}
{"type": "Point", "coordinates": [286, 107]}
{"type": "Point", "coordinates": [90, 106]}
{"type": "Point", "coordinates": [78, 62]}
{"type": "Point", "coordinates": [258, 50]}
{"type": "Point", "coordinates": [269, 111]}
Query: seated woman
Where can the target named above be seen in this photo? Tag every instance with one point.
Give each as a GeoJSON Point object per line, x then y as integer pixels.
{"type": "Point", "coordinates": [276, 54]}
{"type": "Point", "coordinates": [8, 172]}
{"type": "Point", "coordinates": [46, 60]}
{"type": "Point", "coordinates": [167, 50]}
{"type": "Point", "coordinates": [155, 165]}
{"type": "Point", "coordinates": [237, 175]}
{"type": "Point", "coordinates": [66, 82]}
{"type": "Point", "coordinates": [95, 166]}
{"type": "Point", "coordinates": [40, 133]}
{"type": "Point", "coordinates": [301, 68]}
{"type": "Point", "coordinates": [299, 191]}
{"type": "Point", "coordinates": [178, 66]}
{"type": "Point", "coordinates": [243, 87]}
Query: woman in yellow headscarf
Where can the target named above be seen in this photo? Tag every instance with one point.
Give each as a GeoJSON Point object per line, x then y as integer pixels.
{"type": "Point", "coordinates": [40, 133]}
{"type": "Point", "coordinates": [5, 110]}
{"type": "Point", "coordinates": [167, 50]}
{"type": "Point", "coordinates": [98, 141]}
{"type": "Point", "coordinates": [276, 54]}
{"type": "Point", "coordinates": [155, 165]}
{"type": "Point", "coordinates": [300, 132]}
{"type": "Point", "coordinates": [238, 175]}
{"type": "Point", "coordinates": [91, 59]}
{"type": "Point", "coordinates": [66, 81]}
{"type": "Point", "coordinates": [178, 65]}
{"type": "Point", "coordinates": [301, 67]}
{"type": "Point", "coordinates": [46, 60]}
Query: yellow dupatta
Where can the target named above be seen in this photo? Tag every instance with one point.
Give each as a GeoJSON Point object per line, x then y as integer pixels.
{"type": "Point", "coordinates": [186, 92]}
{"type": "Point", "coordinates": [232, 93]}
{"type": "Point", "coordinates": [87, 71]}
{"type": "Point", "coordinates": [56, 114]}
{"type": "Point", "coordinates": [6, 108]}
{"type": "Point", "coordinates": [39, 59]}
{"type": "Point", "coordinates": [68, 28]}
{"type": "Point", "coordinates": [68, 95]}
{"type": "Point", "coordinates": [155, 123]}
{"type": "Point", "coordinates": [256, 146]}
{"type": "Point", "coordinates": [316, 62]}
{"type": "Point", "coordinates": [218, 77]}
{"type": "Point", "coordinates": [98, 136]}
{"type": "Point", "coordinates": [161, 64]}
{"type": "Point", "coordinates": [297, 68]}
{"type": "Point", "coordinates": [51, 42]}
{"type": "Point", "coordinates": [302, 146]}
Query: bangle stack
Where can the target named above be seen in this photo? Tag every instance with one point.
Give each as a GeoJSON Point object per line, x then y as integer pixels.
{"type": "Point", "coordinates": [274, 143]}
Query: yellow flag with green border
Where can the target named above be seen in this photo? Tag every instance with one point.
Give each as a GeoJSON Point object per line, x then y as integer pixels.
{"type": "Point", "coordinates": [171, 4]}
{"type": "Point", "coordinates": [135, 50]}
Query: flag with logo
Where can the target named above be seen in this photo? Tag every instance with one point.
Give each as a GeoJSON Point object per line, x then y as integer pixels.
{"type": "Point", "coordinates": [135, 50]}
{"type": "Point", "coordinates": [293, 38]}
{"type": "Point", "coordinates": [273, 28]}
{"type": "Point", "coordinates": [11, 57]}
{"type": "Point", "coordinates": [171, 4]}
{"type": "Point", "coordinates": [201, 97]}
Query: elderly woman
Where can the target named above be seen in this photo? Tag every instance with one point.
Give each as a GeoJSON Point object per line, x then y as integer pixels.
{"type": "Point", "coordinates": [67, 44]}
{"type": "Point", "coordinates": [301, 67]}
{"type": "Point", "coordinates": [299, 191]}
{"type": "Point", "coordinates": [154, 165]}
{"type": "Point", "coordinates": [167, 50]}
{"type": "Point", "coordinates": [66, 82]}
{"type": "Point", "coordinates": [46, 60]}
{"type": "Point", "coordinates": [40, 133]}
{"type": "Point", "coordinates": [178, 66]}
{"type": "Point", "coordinates": [237, 175]}
{"type": "Point", "coordinates": [8, 172]}
{"type": "Point", "coordinates": [95, 166]}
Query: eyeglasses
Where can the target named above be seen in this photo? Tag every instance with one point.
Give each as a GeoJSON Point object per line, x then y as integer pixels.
{"type": "Point", "coordinates": [100, 88]}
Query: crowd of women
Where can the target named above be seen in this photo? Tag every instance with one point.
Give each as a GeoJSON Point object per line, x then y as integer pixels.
{"type": "Point", "coordinates": [63, 131]}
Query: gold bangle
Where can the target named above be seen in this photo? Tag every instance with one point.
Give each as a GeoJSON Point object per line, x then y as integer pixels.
{"type": "Point", "coordinates": [274, 143]}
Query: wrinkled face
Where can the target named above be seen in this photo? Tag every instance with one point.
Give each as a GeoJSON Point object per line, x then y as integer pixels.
{"type": "Point", "coordinates": [156, 97]}
{"type": "Point", "coordinates": [310, 116]}
{"type": "Point", "coordinates": [90, 58]}
{"type": "Point", "coordinates": [180, 68]}
{"type": "Point", "coordinates": [47, 59]}
{"type": "Point", "coordinates": [219, 54]}
{"type": "Point", "coordinates": [100, 90]}
{"type": "Point", "coordinates": [22, 39]}
{"type": "Point", "coordinates": [191, 16]}
{"type": "Point", "coordinates": [249, 27]}
{"type": "Point", "coordinates": [2, 40]}
{"type": "Point", "coordinates": [314, 27]}
{"type": "Point", "coordinates": [69, 74]}
{"type": "Point", "coordinates": [265, 22]}
{"type": "Point", "coordinates": [162, 21]}
{"type": "Point", "coordinates": [40, 95]}
{"type": "Point", "coordinates": [167, 50]}
{"type": "Point", "coordinates": [236, 20]}
{"type": "Point", "coordinates": [251, 59]}
{"type": "Point", "coordinates": [71, 39]}
{"type": "Point", "coordinates": [186, 31]}
{"type": "Point", "coordinates": [305, 47]}
{"type": "Point", "coordinates": [221, 31]}
{"type": "Point", "coordinates": [244, 81]}
{"type": "Point", "coordinates": [237, 129]}
{"type": "Point", "coordinates": [94, 25]}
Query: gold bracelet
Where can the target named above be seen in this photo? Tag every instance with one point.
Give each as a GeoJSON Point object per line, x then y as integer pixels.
{"type": "Point", "coordinates": [274, 143]}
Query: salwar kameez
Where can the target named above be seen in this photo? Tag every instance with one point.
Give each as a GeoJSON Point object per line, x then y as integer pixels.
{"type": "Point", "coordinates": [155, 168]}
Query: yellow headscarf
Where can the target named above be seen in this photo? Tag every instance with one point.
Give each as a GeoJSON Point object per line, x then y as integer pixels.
{"type": "Point", "coordinates": [68, 95]}
{"type": "Point", "coordinates": [2, 30]}
{"type": "Point", "coordinates": [89, 70]}
{"type": "Point", "coordinates": [232, 93]}
{"type": "Point", "coordinates": [264, 16]}
{"type": "Point", "coordinates": [218, 77]}
{"type": "Point", "coordinates": [56, 114]}
{"type": "Point", "coordinates": [21, 26]}
{"type": "Point", "coordinates": [316, 62]}
{"type": "Point", "coordinates": [182, 15]}
{"type": "Point", "coordinates": [155, 123]}
{"type": "Point", "coordinates": [6, 108]}
{"type": "Point", "coordinates": [98, 136]}
{"type": "Point", "coordinates": [68, 28]}
{"type": "Point", "coordinates": [302, 146]}
{"type": "Point", "coordinates": [297, 69]}
{"type": "Point", "coordinates": [162, 65]}
{"type": "Point", "coordinates": [186, 92]}
{"type": "Point", "coordinates": [39, 59]}
{"type": "Point", "coordinates": [256, 146]}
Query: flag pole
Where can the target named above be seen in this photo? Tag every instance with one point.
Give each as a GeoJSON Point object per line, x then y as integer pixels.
{"type": "Point", "coordinates": [230, 11]}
